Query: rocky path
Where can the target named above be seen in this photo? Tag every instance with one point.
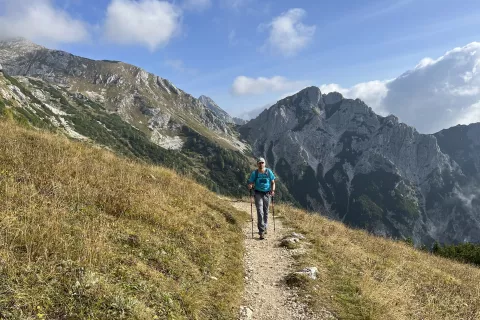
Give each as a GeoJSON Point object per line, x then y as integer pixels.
{"type": "Point", "coordinates": [267, 264]}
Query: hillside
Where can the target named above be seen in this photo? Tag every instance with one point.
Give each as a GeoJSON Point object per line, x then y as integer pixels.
{"type": "Point", "coordinates": [361, 276]}
{"type": "Point", "coordinates": [146, 101]}
{"type": "Point", "coordinates": [124, 108]}
{"type": "Point", "coordinates": [49, 106]}
{"type": "Point", "coordinates": [85, 234]}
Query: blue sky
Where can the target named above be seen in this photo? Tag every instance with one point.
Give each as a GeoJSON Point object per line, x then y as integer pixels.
{"type": "Point", "coordinates": [209, 43]}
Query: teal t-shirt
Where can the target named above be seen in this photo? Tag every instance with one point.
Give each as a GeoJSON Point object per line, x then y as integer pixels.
{"type": "Point", "coordinates": [263, 182]}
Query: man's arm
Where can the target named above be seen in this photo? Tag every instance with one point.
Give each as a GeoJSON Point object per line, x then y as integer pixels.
{"type": "Point", "coordinates": [250, 181]}
{"type": "Point", "coordinates": [272, 179]}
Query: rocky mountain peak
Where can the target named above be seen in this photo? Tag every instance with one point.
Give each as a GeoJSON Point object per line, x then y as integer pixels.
{"type": "Point", "coordinates": [219, 112]}
{"type": "Point", "coordinates": [313, 94]}
{"type": "Point", "coordinates": [390, 120]}
{"type": "Point", "coordinates": [305, 100]}
{"type": "Point", "coordinates": [16, 47]}
{"type": "Point", "coordinates": [207, 101]}
{"type": "Point", "coordinates": [338, 157]}
{"type": "Point", "coordinates": [210, 104]}
{"type": "Point", "coordinates": [332, 97]}
{"type": "Point", "coordinates": [20, 43]}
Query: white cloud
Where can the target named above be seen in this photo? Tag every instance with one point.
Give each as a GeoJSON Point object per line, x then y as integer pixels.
{"type": "Point", "coordinates": [372, 93]}
{"type": "Point", "coordinates": [288, 35]}
{"type": "Point", "coordinates": [248, 86]}
{"type": "Point", "coordinates": [40, 21]}
{"type": "Point", "coordinates": [469, 115]}
{"type": "Point", "coordinates": [422, 97]}
{"type": "Point", "coordinates": [465, 91]}
{"type": "Point", "coordinates": [436, 94]}
{"type": "Point", "coordinates": [198, 5]}
{"type": "Point", "coordinates": [333, 87]}
{"type": "Point", "coordinates": [425, 62]}
{"type": "Point", "coordinates": [146, 22]}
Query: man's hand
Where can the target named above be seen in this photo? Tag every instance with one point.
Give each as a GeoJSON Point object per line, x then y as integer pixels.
{"type": "Point", "coordinates": [250, 186]}
{"type": "Point", "coordinates": [272, 193]}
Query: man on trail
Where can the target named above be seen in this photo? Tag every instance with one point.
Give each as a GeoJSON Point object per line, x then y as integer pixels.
{"type": "Point", "coordinates": [264, 181]}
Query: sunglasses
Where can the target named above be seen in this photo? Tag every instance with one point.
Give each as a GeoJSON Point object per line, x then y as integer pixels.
{"type": "Point", "coordinates": [260, 162]}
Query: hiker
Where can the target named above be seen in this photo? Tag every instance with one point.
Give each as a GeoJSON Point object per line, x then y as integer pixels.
{"type": "Point", "coordinates": [264, 181]}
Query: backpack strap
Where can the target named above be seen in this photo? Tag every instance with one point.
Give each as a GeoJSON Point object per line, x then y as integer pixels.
{"type": "Point", "coordinates": [267, 171]}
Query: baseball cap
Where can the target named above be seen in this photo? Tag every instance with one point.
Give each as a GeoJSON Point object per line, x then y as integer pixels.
{"type": "Point", "coordinates": [261, 160]}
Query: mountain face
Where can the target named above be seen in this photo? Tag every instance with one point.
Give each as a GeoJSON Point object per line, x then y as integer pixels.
{"type": "Point", "coordinates": [123, 108]}
{"type": "Point", "coordinates": [148, 102]}
{"type": "Point", "coordinates": [462, 144]}
{"type": "Point", "coordinates": [219, 112]}
{"type": "Point", "coordinates": [337, 156]}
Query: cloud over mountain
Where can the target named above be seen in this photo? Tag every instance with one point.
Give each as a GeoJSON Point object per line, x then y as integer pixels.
{"type": "Point", "coordinates": [287, 34]}
{"type": "Point", "coordinates": [245, 86]}
{"type": "Point", "coordinates": [150, 23]}
{"type": "Point", "coordinates": [41, 21]}
{"type": "Point", "coordinates": [436, 94]}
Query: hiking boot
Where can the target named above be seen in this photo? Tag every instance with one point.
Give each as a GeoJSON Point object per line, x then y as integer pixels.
{"type": "Point", "coordinates": [262, 236]}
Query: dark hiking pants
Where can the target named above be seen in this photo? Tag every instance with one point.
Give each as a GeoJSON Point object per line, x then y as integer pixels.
{"type": "Point", "coordinates": [262, 201]}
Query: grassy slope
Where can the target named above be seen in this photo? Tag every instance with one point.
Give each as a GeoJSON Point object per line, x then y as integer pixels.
{"type": "Point", "coordinates": [87, 235]}
{"type": "Point", "coordinates": [84, 234]}
{"type": "Point", "coordinates": [367, 277]}
{"type": "Point", "coordinates": [92, 120]}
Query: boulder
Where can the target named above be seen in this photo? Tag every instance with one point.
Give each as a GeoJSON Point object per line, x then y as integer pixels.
{"type": "Point", "coordinates": [246, 313]}
{"type": "Point", "coordinates": [310, 272]}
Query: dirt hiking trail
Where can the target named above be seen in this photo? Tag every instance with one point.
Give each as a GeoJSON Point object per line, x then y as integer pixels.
{"type": "Point", "coordinates": [266, 265]}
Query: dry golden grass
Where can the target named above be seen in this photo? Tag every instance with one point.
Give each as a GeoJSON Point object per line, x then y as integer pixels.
{"type": "Point", "coordinates": [87, 235]}
{"type": "Point", "coordinates": [366, 277]}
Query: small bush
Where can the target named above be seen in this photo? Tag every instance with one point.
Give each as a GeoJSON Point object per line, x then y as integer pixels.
{"type": "Point", "coordinates": [465, 252]}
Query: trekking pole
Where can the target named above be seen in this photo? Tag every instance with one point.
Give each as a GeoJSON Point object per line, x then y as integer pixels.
{"type": "Point", "coordinates": [251, 209]}
{"type": "Point", "coordinates": [273, 209]}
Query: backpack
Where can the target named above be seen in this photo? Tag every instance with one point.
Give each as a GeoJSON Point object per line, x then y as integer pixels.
{"type": "Point", "coordinates": [267, 171]}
